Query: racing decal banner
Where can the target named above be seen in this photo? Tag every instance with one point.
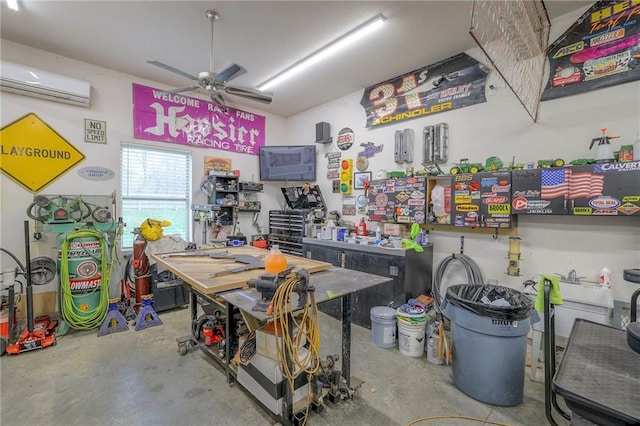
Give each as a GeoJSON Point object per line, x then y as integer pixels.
{"type": "Point", "coordinates": [453, 83]}
{"type": "Point", "coordinates": [179, 119]}
{"type": "Point", "coordinates": [601, 49]}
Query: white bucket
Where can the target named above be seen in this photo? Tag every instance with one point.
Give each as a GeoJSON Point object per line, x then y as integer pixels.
{"type": "Point", "coordinates": [383, 326]}
{"type": "Point", "coordinates": [411, 338]}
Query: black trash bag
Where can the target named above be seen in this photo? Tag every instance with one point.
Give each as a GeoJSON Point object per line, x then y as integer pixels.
{"type": "Point", "coordinates": [493, 301]}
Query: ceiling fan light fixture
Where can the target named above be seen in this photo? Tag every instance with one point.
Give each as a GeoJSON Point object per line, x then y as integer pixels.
{"type": "Point", "coordinates": [338, 44]}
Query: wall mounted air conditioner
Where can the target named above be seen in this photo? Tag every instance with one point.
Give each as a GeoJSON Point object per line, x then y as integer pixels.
{"type": "Point", "coordinates": [29, 81]}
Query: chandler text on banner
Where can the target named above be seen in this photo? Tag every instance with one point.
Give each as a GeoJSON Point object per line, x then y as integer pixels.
{"type": "Point", "coordinates": [452, 83]}
{"type": "Point", "coordinates": [179, 119]}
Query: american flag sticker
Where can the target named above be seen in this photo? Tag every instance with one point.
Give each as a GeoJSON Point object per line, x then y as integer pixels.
{"type": "Point", "coordinates": [564, 183]}
{"type": "Point", "coordinates": [554, 183]}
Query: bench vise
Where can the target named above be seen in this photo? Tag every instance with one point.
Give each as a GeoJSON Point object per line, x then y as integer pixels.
{"type": "Point", "coordinates": [267, 285]}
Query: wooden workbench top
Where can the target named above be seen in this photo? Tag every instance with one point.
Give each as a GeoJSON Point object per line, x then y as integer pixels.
{"type": "Point", "coordinates": [195, 267]}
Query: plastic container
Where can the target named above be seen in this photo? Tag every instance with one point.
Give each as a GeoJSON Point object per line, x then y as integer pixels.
{"type": "Point", "coordinates": [605, 277]}
{"type": "Point", "coordinates": [489, 341]}
{"type": "Point", "coordinates": [626, 153]}
{"type": "Point", "coordinates": [383, 326]}
{"type": "Point", "coordinates": [275, 262]}
{"type": "Point", "coordinates": [411, 337]}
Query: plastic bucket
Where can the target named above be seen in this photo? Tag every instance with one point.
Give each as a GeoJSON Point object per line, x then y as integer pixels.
{"type": "Point", "coordinates": [383, 326]}
{"type": "Point", "coordinates": [411, 336]}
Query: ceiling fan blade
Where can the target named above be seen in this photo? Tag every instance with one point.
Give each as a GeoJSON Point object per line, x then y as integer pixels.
{"type": "Point", "coordinates": [230, 73]}
{"type": "Point", "coordinates": [217, 98]}
{"type": "Point", "coordinates": [183, 89]}
{"type": "Point", "coordinates": [249, 93]}
{"type": "Point", "coordinates": [173, 70]}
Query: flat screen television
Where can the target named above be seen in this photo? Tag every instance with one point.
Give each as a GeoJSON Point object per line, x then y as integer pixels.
{"type": "Point", "coordinates": [291, 163]}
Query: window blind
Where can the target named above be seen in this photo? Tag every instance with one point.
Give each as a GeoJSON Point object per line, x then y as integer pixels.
{"type": "Point", "coordinates": [155, 183]}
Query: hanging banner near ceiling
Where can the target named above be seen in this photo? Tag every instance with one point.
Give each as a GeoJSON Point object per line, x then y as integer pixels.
{"type": "Point", "coordinates": [453, 83]}
{"type": "Point", "coordinates": [601, 49]}
{"type": "Point", "coordinates": [179, 119]}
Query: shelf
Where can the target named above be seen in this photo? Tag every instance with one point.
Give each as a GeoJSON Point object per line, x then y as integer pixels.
{"type": "Point", "coordinates": [513, 231]}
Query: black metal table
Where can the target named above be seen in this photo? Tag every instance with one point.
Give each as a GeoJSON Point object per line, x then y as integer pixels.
{"type": "Point", "coordinates": [335, 283]}
{"type": "Point", "coordinates": [599, 375]}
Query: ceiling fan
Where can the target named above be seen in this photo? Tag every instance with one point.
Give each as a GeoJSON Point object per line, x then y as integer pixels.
{"type": "Point", "coordinates": [214, 83]}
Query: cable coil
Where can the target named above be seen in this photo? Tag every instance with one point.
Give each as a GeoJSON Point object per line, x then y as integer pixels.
{"type": "Point", "coordinates": [474, 276]}
{"type": "Point", "coordinates": [92, 318]}
{"type": "Point", "coordinates": [305, 325]}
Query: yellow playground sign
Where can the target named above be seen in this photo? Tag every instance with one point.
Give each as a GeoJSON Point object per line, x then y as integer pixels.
{"type": "Point", "coordinates": [33, 154]}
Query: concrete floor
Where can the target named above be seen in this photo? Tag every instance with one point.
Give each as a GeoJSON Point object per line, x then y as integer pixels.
{"type": "Point", "coordinates": [138, 378]}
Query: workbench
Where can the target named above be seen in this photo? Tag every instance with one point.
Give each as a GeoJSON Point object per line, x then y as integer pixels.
{"type": "Point", "coordinates": [231, 291]}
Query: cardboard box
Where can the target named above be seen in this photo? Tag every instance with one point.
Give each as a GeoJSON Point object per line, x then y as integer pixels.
{"type": "Point", "coordinates": [270, 392]}
{"type": "Point", "coordinates": [266, 341]}
{"type": "Point", "coordinates": [43, 304]}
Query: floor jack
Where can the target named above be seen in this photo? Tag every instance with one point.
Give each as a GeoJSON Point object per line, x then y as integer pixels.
{"type": "Point", "coordinates": [39, 333]}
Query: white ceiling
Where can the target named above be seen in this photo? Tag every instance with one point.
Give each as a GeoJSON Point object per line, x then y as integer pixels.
{"type": "Point", "coordinates": [262, 36]}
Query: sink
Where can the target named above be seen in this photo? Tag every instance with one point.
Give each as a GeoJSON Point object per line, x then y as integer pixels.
{"type": "Point", "coordinates": [587, 300]}
{"type": "Point", "coordinates": [588, 293]}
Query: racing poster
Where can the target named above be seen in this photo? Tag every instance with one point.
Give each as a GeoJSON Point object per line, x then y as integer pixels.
{"type": "Point", "coordinates": [601, 49]}
{"type": "Point", "coordinates": [453, 83]}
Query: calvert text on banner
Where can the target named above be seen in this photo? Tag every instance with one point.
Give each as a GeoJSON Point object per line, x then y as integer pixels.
{"type": "Point", "coordinates": [179, 119]}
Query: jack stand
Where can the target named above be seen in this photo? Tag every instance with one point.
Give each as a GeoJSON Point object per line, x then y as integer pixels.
{"type": "Point", "coordinates": [147, 317]}
{"type": "Point", "coordinates": [317, 408]}
{"type": "Point", "coordinates": [114, 322]}
{"type": "Point", "coordinates": [298, 419]}
{"type": "Point", "coordinates": [334, 397]}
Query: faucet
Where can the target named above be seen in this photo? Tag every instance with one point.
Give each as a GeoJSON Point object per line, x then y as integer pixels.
{"type": "Point", "coordinates": [571, 278]}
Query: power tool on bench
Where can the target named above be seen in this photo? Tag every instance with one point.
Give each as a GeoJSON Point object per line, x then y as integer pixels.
{"type": "Point", "coordinates": [267, 284]}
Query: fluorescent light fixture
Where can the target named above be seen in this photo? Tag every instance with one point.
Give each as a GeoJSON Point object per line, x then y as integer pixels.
{"type": "Point", "coordinates": [324, 52]}
{"type": "Point", "coordinates": [13, 5]}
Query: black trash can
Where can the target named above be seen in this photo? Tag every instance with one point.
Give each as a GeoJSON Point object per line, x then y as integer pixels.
{"type": "Point", "coordinates": [489, 327]}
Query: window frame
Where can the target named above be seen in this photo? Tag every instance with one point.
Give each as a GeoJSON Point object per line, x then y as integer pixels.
{"type": "Point", "coordinates": [188, 155]}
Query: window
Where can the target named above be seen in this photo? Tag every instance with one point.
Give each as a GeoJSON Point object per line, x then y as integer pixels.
{"type": "Point", "coordinates": [155, 183]}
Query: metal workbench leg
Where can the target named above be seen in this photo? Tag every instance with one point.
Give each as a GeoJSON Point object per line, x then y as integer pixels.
{"type": "Point", "coordinates": [194, 312]}
{"type": "Point", "coordinates": [287, 398]}
{"type": "Point", "coordinates": [228, 327]}
{"type": "Point", "coordinates": [346, 338]}
{"type": "Point", "coordinates": [550, 400]}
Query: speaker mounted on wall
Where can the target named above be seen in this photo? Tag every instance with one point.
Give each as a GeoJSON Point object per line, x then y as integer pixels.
{"type": "Point", "coordinates": [323, 132]}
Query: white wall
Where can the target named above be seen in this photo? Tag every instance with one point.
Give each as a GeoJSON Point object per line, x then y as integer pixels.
{"type": "Point", "coordinates": [502, 127]}
{"type": "Point", "coordinates": [110, 102]}
{"type": "Point", "coordinates": [499, 127]}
